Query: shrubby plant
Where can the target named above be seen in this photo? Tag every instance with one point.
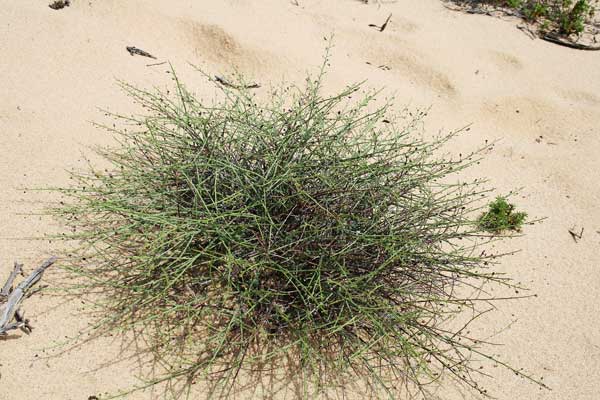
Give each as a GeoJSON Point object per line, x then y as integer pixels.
{"type": "Point", "coordinates": [321, 236]}
{"type": "Point", "coordinates": [563, 16]}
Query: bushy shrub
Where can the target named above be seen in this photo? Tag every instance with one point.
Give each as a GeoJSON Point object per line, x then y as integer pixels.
{"type": "Point", "coordinates": [318, 235]}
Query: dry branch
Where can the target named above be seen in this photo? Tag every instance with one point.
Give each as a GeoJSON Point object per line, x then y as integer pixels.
{"type": "Point", "coordinates": [382, 27]}
{"type": "Point", "coordinates": [18, 269]}
{"type": "Point", "coordinates": [224, 82]}
{"type": "Point", "coordinates": [12, 299]}
{"type": "Point", "coordinates": [553, 38]}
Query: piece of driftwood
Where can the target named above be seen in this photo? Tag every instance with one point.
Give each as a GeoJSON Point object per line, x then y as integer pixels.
{"type": "Point", "coordinates": [10, 300]}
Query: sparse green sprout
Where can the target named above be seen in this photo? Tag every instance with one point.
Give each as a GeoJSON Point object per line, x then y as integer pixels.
{"type": "Point", "coordinates": [320, 236]}
{"type": "Point", "coordinates": [573, 17]}
{"type": "Point", "coordinates": [501, 216]}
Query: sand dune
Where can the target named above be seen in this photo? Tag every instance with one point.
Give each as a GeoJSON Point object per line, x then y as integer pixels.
{"type": "Point", "coordinates": [541, 101]}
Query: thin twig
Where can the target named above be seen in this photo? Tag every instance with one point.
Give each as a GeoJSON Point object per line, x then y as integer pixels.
{"type": "Point", "coordinates": [527, 31]}
{"type": "Point", "coordinates": [385, 23]}
{"type": "Point", "coordinates": [576, 236]}
{"type": "Point", "coordinates": [382, 27]}
{"type": "Point", "coordinates": [152, 65]}
{"type": "Point", "coordinates": [224, 82]}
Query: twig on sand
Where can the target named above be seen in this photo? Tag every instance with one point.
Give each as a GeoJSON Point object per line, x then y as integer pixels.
{"type": "Point", "coordinates": [385, 23]}
{"type": "Point", "coordinates": [382, 27]}
{"type": "Point", "coordinates": [12, 298]}
{"type": "Point", "coordinates": [382, 66]}
{"type": "Point", "coordinates": [553, 38]}
{"type": "Point", "coordinates": [576, 236]}
{"type": "Point", "coordinates": [224, 82]}
{"type": "Point", "coordinates": [527, 30]}
{"type": "Point", "coordinates": [152, 65]}
{"type": "Point", "coordinates": [479, 12]}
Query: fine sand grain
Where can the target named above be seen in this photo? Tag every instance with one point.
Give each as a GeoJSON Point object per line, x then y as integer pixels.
{"type": "Point", "coordinates": [541, 101]}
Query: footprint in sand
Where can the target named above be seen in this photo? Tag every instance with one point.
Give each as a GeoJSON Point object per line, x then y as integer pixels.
{"type": "Point", "coordinates": [580, 97]}
{"type": "Point", "coordinates": [503, 60]}
{"type": "Point", "coordinates": [423, 74]}
{"type": "Point", "coordinates": [211, 42]}
{"type": "Point", "coordinates": [409, 64]}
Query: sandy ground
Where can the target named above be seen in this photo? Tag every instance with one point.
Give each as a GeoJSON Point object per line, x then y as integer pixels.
{"type": "Point", "coordinates": [540, 100]}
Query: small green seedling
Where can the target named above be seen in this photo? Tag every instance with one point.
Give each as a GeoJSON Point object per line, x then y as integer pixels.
{"type": "Point", "coordinates": [501, 217]}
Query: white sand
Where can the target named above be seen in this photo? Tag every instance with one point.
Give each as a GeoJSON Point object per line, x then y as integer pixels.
{"type": "Point", "coordinates": [56, 67]}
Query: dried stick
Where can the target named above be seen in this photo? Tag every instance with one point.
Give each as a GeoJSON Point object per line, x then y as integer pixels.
{"type": "Point", "coordinates": [18, 269]}
{"type": "Point", "coordinates": [553, 38]}
{"type": "Point", "coordinates": [10, 310]}
{"type": "Point", "coordinates": [224, 82]}
{"type": "Point", "coordinates": [382, 27]}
